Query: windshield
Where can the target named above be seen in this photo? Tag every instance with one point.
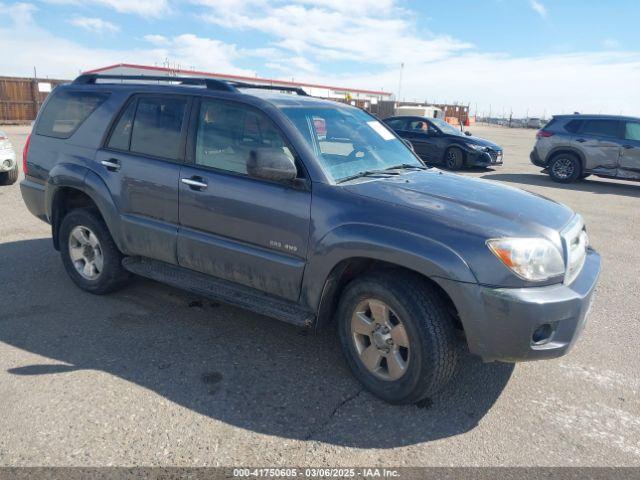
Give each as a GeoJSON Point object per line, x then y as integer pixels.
{"type": "Point", "coordinates": [446, 127]}
{"type": "Point", "coordinates": [348, 142]}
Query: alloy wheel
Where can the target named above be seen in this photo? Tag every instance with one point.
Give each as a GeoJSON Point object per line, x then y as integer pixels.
{"type": "Point", "coordinates": [85, 252]}
{"type": "Point", "coordinates": [563, 168]}
{"type": "Point", "coordinates": [380, 339]}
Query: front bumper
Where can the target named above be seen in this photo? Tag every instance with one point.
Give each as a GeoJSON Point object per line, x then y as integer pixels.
{"type": "Point", "coordinates": [476, 158]}
{"type": "Point", "coordinates": [7, 159]}
{"type": "Point", "coordinates": [500, 323]}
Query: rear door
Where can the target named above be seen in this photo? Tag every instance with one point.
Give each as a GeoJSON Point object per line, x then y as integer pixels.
{"type": "Point", "coordinates": [600, 141]}
{"type": "Point", "coordinates": [140, 163]}
{"type": "Point", "coordinates": [629, 160]}
{"type": "Point", "coordinates": [246, 230]}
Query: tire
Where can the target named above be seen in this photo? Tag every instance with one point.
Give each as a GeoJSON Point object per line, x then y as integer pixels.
{"type": "Point", "coordinates": [105, 273]}
{"type": "Point", "coordinates": [430, 357]}
{"type": "Point", "coordinates": [453, 158]}
{"type": "Point", "coordinates": [565, 168]}
{"type": "Point", "coordinates": [10, 177]}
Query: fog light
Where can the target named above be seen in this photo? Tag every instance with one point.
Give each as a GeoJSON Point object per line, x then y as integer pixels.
{"type": "Point", "coordinates": [542, 334]}
{"type": "Point", "coordinates": [7, 164]}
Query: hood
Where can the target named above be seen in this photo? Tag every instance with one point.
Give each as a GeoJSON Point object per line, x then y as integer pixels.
{"type": "Point", "coordinates": [481, 141]}
{"type": "Point", "coordinates": [483, 207]}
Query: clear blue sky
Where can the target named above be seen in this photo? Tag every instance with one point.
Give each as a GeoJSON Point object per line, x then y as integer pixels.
{"type": "Point", "coordinates": [521, 55]}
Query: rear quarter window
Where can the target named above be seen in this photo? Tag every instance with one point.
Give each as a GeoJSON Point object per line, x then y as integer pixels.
{"type": "Point", "coordinates": [66, 111]}
{"type": "Point", "coordinates": [573, 126]}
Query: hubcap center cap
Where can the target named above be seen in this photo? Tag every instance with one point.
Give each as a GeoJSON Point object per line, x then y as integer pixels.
{"type": "Point", "coordinates": [381, 340]}
{"type": "Point", "coordinates": [89, 252]}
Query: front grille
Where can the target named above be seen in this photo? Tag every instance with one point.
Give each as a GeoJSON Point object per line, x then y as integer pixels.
{"type": "Point", "coordinates": [575, 242]}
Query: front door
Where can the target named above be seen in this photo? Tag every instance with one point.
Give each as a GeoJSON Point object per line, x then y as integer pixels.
{"type": "Point", "coordinates": [140, 165]}
{"type": "Point", "coordinates": [232, 226]}
{"type": "Point", "coordinates": [629, 160]}
{"type": "Point", "coordinates": [422, 136]}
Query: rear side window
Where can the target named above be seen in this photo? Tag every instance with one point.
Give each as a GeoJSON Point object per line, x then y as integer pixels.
{"type": "Point", "coordinates": [601, 128]}
{"type": "Point", "coordinates": [632, 131]}
{"type": "Point", "coordinates": [573, 126]}
{"type": "Point", "coordinates": [66, 111]}
{"type": "Point", "coordinates": [122, 131]}
{"type": "Point", "coordinates": [157, 127]}
{"type": "Point", "coordinates": [397, 124]}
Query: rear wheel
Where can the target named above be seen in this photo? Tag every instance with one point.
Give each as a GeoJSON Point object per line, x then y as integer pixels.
{"type": "Point", "coordinates": [89, 254]}
{"type": "Point", "coordinates": [454, 158]}
{"type": "Point", "coordinates": [397, 336]}
{"type": "Point", "coordinates": [10, 177]}
{"type": "Point", "coordinates": [565, 168]}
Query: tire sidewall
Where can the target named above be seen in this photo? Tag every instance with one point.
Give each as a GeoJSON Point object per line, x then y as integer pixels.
{"type": "Point", "coordinates": [396, 391]}
{"type": "Point", "coordinates": [577, 168]}
{"type": "Point", "coordinates": [112, 269]}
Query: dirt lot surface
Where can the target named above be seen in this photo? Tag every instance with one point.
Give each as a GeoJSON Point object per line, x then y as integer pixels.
{"type": "Point", "coordinates": [155, 376]}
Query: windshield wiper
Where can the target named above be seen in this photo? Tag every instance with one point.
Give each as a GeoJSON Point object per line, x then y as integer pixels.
{"type": "Point", "coordinates": [367, 173]}
{"type": "Point", "coordinates": [407, 166]}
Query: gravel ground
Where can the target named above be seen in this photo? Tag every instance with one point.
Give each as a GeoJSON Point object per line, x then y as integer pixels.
{"type": "Point", "coordinates": [155, 376]}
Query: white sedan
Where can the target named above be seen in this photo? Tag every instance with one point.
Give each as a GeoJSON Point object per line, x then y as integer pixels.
{"type": "Point", "coordinates": [8, 165]}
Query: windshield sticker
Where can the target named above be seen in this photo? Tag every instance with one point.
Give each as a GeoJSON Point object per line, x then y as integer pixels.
{"type": "Point", "coordinates": [381, 130]}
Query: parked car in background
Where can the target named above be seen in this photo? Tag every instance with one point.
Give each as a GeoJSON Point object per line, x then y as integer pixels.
{"type": "Point", "coordinates": [571, 147]}
{"type": "Point", "coordinates": [534, 123]}
{"type": "Point", "coordinates": [8, 166]}
{"type": "Point", "coordinates": [311, 212]}
{"type": "Point", "coordinates": [438, 143]}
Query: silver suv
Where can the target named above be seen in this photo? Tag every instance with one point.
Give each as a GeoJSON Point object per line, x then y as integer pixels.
{"type": "Point", "coordinates": [572, 147]}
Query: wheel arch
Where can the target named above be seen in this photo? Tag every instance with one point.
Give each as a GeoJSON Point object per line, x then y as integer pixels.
{"type": "Point", "coordinates": [554, 152]}
{"type": "Point", "coordinates": [351, 251]}
{"type": "Point", "coordinates": [71, 186]}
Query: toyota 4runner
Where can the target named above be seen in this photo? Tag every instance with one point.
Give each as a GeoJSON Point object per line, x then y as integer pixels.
{"type": "Point", "coordinates": [233, 191]}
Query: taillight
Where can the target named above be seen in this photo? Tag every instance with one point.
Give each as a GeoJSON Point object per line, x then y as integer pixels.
{"type": "Point", "coordinates": [544, 134]}
{"type": "Point", "coordinates": [25, 152]}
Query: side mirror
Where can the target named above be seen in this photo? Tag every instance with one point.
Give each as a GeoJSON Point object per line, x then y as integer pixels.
{"type": "Point", "coordinates": [468, 133]}
{"type": "Point", "coordinates": [408, 144]}
{"type": "Point", "coordinates": [271, 164]}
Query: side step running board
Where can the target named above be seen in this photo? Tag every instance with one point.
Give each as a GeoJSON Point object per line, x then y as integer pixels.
{"type": "Point", "coordinates": [221, 290]}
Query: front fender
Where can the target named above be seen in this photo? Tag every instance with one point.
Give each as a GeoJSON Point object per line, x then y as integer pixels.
{"type": "Point", "coordinates": [420, 254]}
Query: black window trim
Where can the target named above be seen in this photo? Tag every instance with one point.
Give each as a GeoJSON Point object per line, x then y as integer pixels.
{"type": "Point", "coordinates": [135, 97]}
{"type": "Point", "coordinates": [106, 93]}
{"type": "Point", "coordinates": [190, 157]}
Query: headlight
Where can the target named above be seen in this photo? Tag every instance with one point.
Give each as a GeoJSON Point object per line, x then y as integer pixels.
{"type": "Point", "coordinates": [480, 148]}
{"type": "Point", "coordinates": [534, 259]}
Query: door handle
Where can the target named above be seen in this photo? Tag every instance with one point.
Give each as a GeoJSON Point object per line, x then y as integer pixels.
{"type": "Point", "coordinates": [111, 164]}
{"type": "Point", "coordinates": [627, 147]}
{"type": "Point", "coordinates": [581, 140]}
{"type": "Point", "coordinates": [195, 183]}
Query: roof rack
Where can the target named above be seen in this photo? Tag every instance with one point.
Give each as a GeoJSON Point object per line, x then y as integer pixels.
{"type": "Point", "coordinates": [209, 83]}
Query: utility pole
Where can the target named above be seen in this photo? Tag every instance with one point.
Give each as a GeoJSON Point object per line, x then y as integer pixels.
{"type": "Point", "coordinates": [400, 82]}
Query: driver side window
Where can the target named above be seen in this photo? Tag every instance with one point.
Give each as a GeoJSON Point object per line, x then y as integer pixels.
{"type": "Point", "coordinates": [228, 134]}
{"type": "Point", "coordinates": [419, 126]}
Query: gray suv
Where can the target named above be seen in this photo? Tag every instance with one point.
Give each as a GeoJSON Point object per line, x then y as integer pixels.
{"type": "Point", "coordinates": [571, 147]}
{"type": "Point", "coordinates": [309, 211]}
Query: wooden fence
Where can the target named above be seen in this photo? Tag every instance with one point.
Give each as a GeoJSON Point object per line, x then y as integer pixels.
{"type": "Point", "coordinates": [21, 98]}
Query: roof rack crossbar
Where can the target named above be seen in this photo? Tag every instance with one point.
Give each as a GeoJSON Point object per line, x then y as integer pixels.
{"type": "Point", "coordinates": [209, 83]}
{"type": "Point", "coordinates": [278, 88]}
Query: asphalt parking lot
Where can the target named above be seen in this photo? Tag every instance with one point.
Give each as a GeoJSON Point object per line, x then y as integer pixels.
{"type": "Point", "coordinates": [155, 376]}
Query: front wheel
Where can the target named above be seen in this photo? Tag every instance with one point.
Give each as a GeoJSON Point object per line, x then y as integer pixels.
{"type": "Point", "coordinates": [89, 254]}
{"type": "Point", "coordinates": [397, 336]}
{"type": "Point", "coordinates": [454, 158]}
